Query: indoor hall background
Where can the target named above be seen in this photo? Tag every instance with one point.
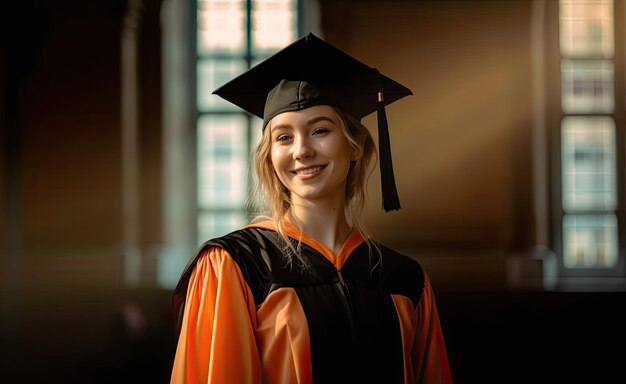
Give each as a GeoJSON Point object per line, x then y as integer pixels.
{"type": "Point", "coordinates": [464, 154]}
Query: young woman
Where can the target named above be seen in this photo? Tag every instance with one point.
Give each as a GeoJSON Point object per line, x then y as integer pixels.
{"type": "Point", "coordinates": [306, 296]}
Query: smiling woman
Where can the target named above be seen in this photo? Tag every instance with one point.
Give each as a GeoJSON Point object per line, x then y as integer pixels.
{"type": "Point", "coordinates": [306, 295]}
{"type": "Point", "coordinates": [311, 157]}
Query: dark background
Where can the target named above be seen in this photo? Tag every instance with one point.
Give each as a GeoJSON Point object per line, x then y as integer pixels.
{"type": "Point", "coordinates": [462, 151]}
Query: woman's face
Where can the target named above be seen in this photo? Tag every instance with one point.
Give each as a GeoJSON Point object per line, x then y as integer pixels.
{"type": "Point", "coordinates": [310, 154]}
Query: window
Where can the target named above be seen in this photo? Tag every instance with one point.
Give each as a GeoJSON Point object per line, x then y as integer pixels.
{"type": "Point", "coordinates": [231, 36]}
{"type": "Point", "coordinates": [590, 195]}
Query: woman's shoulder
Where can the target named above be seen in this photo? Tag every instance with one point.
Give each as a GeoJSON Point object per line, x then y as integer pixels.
{"type": "Point", "coordinates": [241, 245]}
{"type": "Point", "coordinates": [400, 258]}
{"type": "Point", "coordinates": [243, 241]}
{"type": "Point", "coordinates": [248, 248]}
{"type": "Point", "coordinates": [402, 271]}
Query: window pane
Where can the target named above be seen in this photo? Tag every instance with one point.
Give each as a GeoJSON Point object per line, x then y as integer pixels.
{"type": "Point", "coordinates": [213, 74]}
{"type": "Point", "coordinates": [589, 241]}
{"type": "Point", "coordinates": [588, 164]}
{"type": "Point", "coordinates": [222, 157]}
{"type": "Point", "coordinates": [221, 26]}
{"type": "Point", "coordinates": [274, 24]}
{"type": "Point", "coordinates": [257, 132]}
{"type": "Point", "coordinates": [586, 28]}
{"type": "Point", "coordinates": [587, 86]}
{"type": "Point", "coordinates": [214, 224]}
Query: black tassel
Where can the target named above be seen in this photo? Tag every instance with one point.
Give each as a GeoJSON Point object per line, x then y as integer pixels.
{"type": "Point", "coordinates": [391, 202]}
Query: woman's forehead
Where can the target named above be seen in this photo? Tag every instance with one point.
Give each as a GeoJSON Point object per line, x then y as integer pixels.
{"type": "Point", "coordinates": [305, 116]}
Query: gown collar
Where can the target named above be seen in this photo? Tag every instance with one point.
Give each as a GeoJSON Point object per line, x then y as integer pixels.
{"type": "Point", "coordinates": [352, 242]}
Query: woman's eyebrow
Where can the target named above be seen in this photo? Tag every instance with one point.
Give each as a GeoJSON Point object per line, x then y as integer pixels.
{"type": "Point", "coordinates": [281, 127]}
{"type": "Point", "coordinates": [321, 118]}
{"type": "Point", "coordinates": [314, 120]}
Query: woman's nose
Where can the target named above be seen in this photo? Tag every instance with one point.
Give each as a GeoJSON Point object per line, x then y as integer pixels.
{"type": "Point", "coordinates": [302, 148]}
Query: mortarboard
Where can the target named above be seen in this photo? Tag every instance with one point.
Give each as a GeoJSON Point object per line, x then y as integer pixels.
{"type": "Point", "coordinates": [312, 72]}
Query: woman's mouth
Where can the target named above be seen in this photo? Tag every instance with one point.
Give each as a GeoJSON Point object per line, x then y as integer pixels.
{"type": "Point", "coordinates": [309, 170]}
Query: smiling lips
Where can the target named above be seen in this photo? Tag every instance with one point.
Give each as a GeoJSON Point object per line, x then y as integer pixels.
{"type": "Point", "coordinates": [309, 170]}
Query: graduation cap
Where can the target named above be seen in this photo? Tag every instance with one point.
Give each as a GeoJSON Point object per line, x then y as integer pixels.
{"type": "Point", "coordinates": [311, 72]}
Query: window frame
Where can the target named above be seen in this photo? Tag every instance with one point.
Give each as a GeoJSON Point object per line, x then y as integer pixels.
{"type": "Point", "coordinates": [555, 119]}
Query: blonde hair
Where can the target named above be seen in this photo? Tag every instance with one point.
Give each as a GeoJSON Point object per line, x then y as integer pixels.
{"type": "Point", "coordinates": [270, 199]}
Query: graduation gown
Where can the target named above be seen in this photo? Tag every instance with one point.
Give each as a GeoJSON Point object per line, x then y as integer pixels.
{"type": "Point", "coordinates": [244, 315]}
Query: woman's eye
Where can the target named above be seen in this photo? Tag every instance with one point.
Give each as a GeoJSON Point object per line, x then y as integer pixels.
{"type": "Point", "coordinates": [283, 138]}
{"type": "Point", "coordinates": [320, 131]}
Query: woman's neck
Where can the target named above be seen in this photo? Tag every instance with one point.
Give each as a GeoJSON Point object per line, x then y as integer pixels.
{"type": "Point", "coordinates": [324, 222]}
